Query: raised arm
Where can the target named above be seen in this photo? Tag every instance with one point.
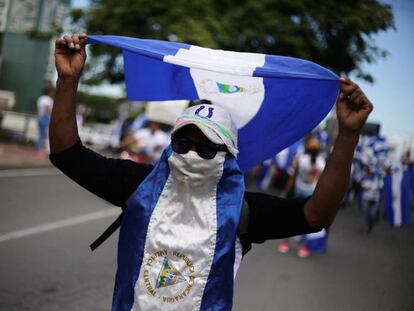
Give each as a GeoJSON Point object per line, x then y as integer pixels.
{"type": "Point", "coordinates": [111, 179]}
{"type": "Point", "coordinates": [70, 58]}
{"type": "Point", "coordinates": [352, 108]}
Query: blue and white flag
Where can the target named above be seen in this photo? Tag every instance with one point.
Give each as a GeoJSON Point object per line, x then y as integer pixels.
{"type": "Point", "coordinates": [397, 196]}
{"type": "Point", "coordinates": [379, 145]}
{"type": "Point", "coordinates": [274, 100]}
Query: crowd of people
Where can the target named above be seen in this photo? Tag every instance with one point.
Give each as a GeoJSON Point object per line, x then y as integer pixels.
{"type": "Point", "coordinates": [382, 182]}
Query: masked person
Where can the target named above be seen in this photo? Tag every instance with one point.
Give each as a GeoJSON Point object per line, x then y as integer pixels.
{"type": "Point", "coordinates": [187, 221]}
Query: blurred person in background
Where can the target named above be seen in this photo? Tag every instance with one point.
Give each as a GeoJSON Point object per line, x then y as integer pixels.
{"type": "Point", "coordinates": [151, 141]}
{"type": "Point", "coordinates": [146, 143]}
{"type": "Point", "coordinates": [371, 188]}
{"type": "Point", "coordinates": [307, 168]}
{"type": "Point", "coordinates": [44, 109]}
{"type": "Point", "coordinates": [79, 116]}
{"type": "Point", "coordinates": [205, 182]}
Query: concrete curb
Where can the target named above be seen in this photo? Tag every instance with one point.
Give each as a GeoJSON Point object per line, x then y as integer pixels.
{"type": "Point", "coordinates": [6, 164]}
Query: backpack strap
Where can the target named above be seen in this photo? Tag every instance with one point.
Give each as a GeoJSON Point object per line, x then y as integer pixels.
{"type": "Point", "coordinates": [243, 228]}
{"type": "Point", "coordinates": [107, 233]}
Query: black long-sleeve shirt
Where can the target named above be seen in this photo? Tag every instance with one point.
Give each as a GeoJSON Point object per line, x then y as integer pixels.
{"type": "Point", "coordinates": [114, 180]}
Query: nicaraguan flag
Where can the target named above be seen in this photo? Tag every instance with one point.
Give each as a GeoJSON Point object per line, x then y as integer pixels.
{"type": "Point", "coordinates": [397, 196]}
{"type": "Point", "coordinates": [274, 100]}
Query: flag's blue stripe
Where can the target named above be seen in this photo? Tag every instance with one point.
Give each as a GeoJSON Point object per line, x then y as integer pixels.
{"type": "Point", "coordinates": [133, 233]}
{"type": "Point", "coordinates": [218, 293]}
{"type": "Point", "coordinates": [290, 109]}
{"type": "Point", "coordinates": [405, 198]}
{"type": "Point", "coordinates": [152, 48]}
{"type": "Point", "coordinates": [294, 68]}
{"type": "Point", "coordinates": [387, 191]}
{"type": "Point", "coordinates": [152, 80]}
{"type": "Point", "coordinates": [411, 170]}
{"type": "Point", "coordinates": [147, 77]}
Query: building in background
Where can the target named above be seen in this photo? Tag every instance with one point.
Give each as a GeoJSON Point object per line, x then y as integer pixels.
{"type": "Point", "coordinates": [27, 29]}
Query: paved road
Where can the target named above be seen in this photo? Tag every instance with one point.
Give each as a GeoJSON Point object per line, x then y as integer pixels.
{"type": "Point", "coordinates": [51, 267]}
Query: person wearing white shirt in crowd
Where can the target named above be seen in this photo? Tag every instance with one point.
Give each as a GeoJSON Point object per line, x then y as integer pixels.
{"type": "Point", "coordinates": [44, 109]}
{"type": "Point", "coordinates": [151, 141]}
{"type": "Point", "coordinates": [371, 185]}
{"type": "Point", "coordinates": [307, 168]}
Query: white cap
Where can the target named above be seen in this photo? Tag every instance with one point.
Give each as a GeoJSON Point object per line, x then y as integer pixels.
{"type": "Point", "coordinates": [215, 122]}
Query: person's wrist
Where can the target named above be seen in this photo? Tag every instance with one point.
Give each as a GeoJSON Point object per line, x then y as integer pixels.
{"type": "Point", "coordinates": [351, 137]}
{"type": "Point", "coordinates": [67, 80]}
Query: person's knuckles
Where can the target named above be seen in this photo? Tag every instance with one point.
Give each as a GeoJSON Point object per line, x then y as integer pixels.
{"type": "Point", "coordinates": [359, 100]}
{"type": "Point", "coordinates": [356, 94]}
{"type": "Point", "coordinates": [68, 39]}
{"type": "Point", "coordinates": [348, 89]}
{"type": "Point", "coordinates": [59, 43]}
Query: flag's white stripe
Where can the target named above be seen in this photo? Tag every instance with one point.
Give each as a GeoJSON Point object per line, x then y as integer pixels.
{"type": "Point", "coordinates": [59, 224]}
{"type": "Point", "coordinates": [243, 105]}
{"type": "Point", "coordinates": [224, 67]}
{"type": "Point", "coordinates": [29, 172]}
{"type": "Point", "coordinates": [218, 61]}
{"type": "Point", "coordinates": [396, 196]}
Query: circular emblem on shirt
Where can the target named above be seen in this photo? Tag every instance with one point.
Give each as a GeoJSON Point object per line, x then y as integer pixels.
{"type": "Point", "coordinates": [168, 275]}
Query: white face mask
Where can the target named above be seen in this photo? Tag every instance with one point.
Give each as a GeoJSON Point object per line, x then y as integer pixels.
{"type": "Point", "coordinates": [192, 168]}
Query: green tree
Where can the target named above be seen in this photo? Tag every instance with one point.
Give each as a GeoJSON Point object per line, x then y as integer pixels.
{"type": "Point", "coordinates": [334, 34]}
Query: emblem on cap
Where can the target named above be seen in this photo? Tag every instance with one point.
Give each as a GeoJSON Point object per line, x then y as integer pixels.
{"type": "Point", "coordinates": [210, 112]}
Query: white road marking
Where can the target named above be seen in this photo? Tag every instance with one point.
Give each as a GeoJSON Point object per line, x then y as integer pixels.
{"type": "Point", "coordinates": [59, 224]}
{"type": "Point", "coordinates": [30, 172]}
